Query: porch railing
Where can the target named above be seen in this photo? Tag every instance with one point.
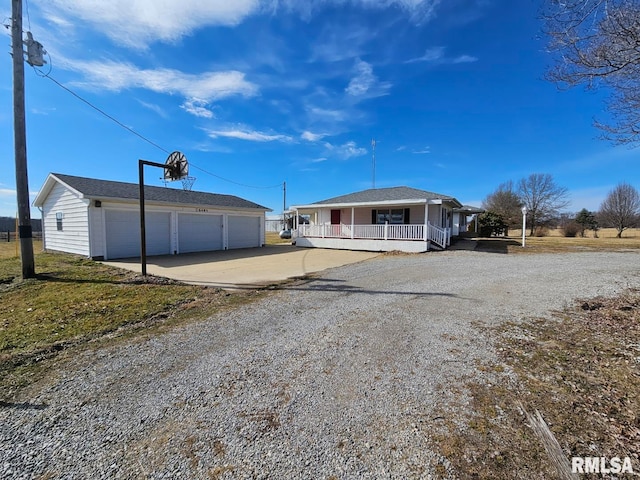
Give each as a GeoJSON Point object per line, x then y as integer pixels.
{"type": "Point", "coordinates": [437, 235]}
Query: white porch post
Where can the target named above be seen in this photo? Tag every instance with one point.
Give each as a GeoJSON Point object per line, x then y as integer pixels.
{"type": "Point", "coordinates": [352, 218]}
{"type": "Point", "coordinates": [426, 222]}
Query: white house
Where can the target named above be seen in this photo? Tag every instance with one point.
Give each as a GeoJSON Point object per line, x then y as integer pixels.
{"type": "Point", "coordinates": [381, 219]}
{"type": "Point", "coordinates": [101, 219]}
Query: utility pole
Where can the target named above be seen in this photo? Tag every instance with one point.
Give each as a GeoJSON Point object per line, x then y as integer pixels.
{"type": "Point", "coordinates": [284, 205]}
{"type": "Point", "coordinates": [20, 144]}
{"type": "Point", "coordinates": [373, 163]}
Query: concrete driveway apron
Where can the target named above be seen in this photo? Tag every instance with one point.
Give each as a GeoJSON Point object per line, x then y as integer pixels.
{"type": "Point", "coordinates": [250, 267]}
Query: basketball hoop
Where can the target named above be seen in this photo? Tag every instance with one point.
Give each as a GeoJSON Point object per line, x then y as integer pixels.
{"type": "Point", "coordinates": [176, 167]}
{"type": "Point", "coordinates": [187, 183]}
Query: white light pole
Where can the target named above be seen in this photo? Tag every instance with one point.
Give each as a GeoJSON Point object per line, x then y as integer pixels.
{"type": "Point", "coordinates": [524, 225]}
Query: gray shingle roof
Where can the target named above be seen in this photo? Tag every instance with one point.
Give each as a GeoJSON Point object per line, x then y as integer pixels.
{"type": "Point", "coordinates": [385, 195]}
{"type": "Point", "coordinates": [104, 189]}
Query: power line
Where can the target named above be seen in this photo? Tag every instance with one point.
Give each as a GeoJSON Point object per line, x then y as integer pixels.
{"type": "Point", "coordinates": [130, 130]}
{"type": "Point", "coordinates": [231, 181]}
{"type": "Point", "coordinates": [26, 4]}
{"type": "Point", "coordinates": [139, 135]}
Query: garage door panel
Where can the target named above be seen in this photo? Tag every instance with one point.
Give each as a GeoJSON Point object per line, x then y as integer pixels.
{"type": "Point", "coordinates": [244, 231]}
{"type": "Point", "coordinates": [158, 233]}
{"type": "Point", "coordinates": [199, 233]}
{"type": "Point", "coordinates": [123, 233]}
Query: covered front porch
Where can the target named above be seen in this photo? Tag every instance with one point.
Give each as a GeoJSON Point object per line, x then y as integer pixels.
{"type": "Point", "coordinates": [377, 238]}
{"type": "Point", "coordinates": [379, 227]}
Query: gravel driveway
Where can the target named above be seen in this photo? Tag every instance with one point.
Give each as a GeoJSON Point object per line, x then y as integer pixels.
{"type": "Point", "coordinates": [337, 377]}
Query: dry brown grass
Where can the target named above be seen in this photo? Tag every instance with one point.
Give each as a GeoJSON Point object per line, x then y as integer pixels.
{"type": "Point", "coordinates": [554, 242]}
{"type": "Point", "coordinates": [273, 238]}
{"type": "Point", "coordinates": [580, 370]}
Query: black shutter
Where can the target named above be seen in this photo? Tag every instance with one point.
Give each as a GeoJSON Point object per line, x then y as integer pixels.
{"type": "Point", "coordinates": [407, 220]}
{"type": "Point", "coordinates": [374, 217]}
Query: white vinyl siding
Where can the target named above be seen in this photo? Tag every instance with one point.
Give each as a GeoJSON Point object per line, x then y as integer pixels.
{"type": "Point", "coordinates": [123, 233]}
{"type": "Point", "coordinates": [74, 236]}
{"type": "Point", "coordinates": [96, 231]}
{"type": "Point", "coordinates": [244, 231]}
{"type": "Point", "coordinates": [199, 232]}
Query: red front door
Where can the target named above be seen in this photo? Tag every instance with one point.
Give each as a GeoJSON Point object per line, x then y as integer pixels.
{"type": "Point", "coordinates": [335, 217]}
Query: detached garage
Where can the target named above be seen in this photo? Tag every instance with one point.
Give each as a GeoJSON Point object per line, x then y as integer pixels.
{"type": "Point", "coordinates": [101, 219]}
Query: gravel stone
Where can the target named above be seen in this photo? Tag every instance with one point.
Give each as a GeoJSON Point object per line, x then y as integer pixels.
{"type": "Point", "coordinates": [340, 376]}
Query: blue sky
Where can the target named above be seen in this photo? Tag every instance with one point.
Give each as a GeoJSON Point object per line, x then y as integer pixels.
{"type": "Point", "coordinates": [264, 91]}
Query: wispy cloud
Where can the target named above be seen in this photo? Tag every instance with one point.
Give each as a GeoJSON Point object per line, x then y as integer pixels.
{"type": "Point", "coordinates": [327, 114]}
{"type": "Point", "coordinates": [437, 55]}
{"type": "Point", "coordinates": [198, 90]}
{"type": "Point", "coordinates": [401, 148]}
{"type": "Point", "coordinates": [422, 151]}
{"type": "Point", "coordinates": [346, 150]}
{"type": "Point", "coordinates": [365, 83]}
{"type": "Point", "coordinates": [154, 108]}
{"type": "Point", "coordinates": [432, 54]}
{"type": "Point", "coordinates": [465, 59]}
{"type": "Point", "coordinates": [7, 192]}
{"type": "Point", "coordinates": [42, 111]}
{"type": "Point", "coordinates": [137, 24]}
{"type": "Point", "coordinates": [205, 86]}
{"type": "Point", "coordinates": [242, 133]}
{"type": "Point", "coordinates": [312, 137]}
{"type": "Point", "coordinates": [197, 108]}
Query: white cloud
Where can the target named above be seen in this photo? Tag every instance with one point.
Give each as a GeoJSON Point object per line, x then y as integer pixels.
{"type": "Point", "coordinates": [7, 192]}
{"type": "Point", "coordinates": [432, 54]}
{"type": "Point", "coordinates": [437, 55]}
{"type": "Point", "coordinates": [346, 150]}
{"type": "Point", "coordinates": [423, 151]}
{"type": "Point", "coordinates": [205, 87]}
{"type": "Point", "coordinates": [401, 148]}
{"type": "Point", "coordinates": [465, 59]}
{"type": "Point", "coordinates": [197, 108]}
{"type": "Point", "coordinates": [154, 108]}
{"type": "Point", "coordinates": [312, 137]}
{"type": "Point", "coordinates": [365, 83]}
{"type": "Point", "coordinates": [242, 133]}
{"type": "Point", "coordinates": [139, 23]}
{"type": "Point", "coordinates": [326, 114]}
{"type": "Point", "coordinates": [319, 160]}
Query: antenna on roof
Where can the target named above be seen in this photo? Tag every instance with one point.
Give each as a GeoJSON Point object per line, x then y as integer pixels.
{"type": "Point", "coordinates": [373, 163]}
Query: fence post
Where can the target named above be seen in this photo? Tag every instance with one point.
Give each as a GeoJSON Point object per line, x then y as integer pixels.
{"type": "Point", "coordinates": [8, 235]}
{"type": "Point", "coordinates": [386, 230]}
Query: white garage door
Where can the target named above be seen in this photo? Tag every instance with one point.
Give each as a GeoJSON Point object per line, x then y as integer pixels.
{"type": "Point", "coordinates": [244, 232]}
{"type": "Point", "coordinates": [199, 233]}
{"type": "Point", "coordinates": [123, 233]}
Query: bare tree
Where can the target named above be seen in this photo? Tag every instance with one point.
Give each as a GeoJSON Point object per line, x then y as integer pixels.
{"type": "Point", "coordinates": [597, 43]}
{"type": "Point", "coordinates": [542, 197]}
{"type": "Point", "coordinates": [621, 208]}
{"type": "Point", "coordinates": [505, 202]}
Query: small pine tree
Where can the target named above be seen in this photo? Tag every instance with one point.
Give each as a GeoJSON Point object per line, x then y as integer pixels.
{"type": "Point", "coordinates": [587, 221]}
{"type": "Point", "coordinates": [491, 223]}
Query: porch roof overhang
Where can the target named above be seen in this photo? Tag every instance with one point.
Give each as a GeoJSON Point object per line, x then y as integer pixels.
{"type": "Point", "coordinates": [381, 203]}
{"type": "Point", "coordinates": [469, 210]}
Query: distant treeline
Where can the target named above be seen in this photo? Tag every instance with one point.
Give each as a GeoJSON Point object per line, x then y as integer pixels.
{"type": "Point", "coordinates": [8, 224]}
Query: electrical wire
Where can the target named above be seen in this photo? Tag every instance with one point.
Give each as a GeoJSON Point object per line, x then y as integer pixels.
{"type": "Point", "coordinates": [139, 135]}
{"type": "Point", "coordinates": [231, 181]}
{"type": "Point", "coordinates": [26, 4]}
